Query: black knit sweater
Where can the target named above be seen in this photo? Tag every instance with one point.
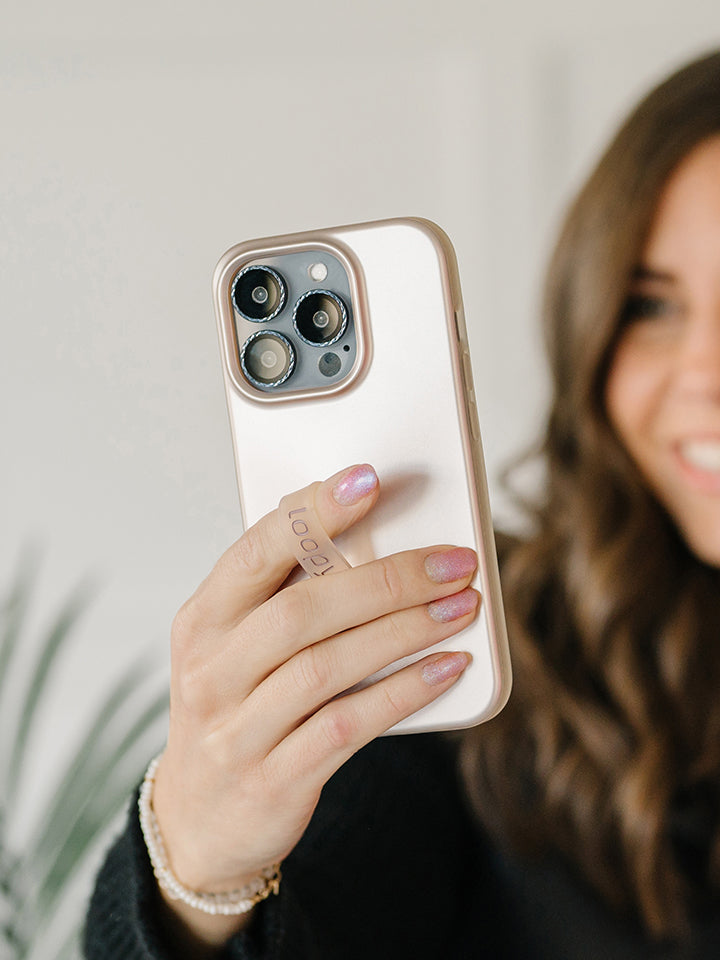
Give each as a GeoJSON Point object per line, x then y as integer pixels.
{"type": "Point", "coordinates": [393, 866]}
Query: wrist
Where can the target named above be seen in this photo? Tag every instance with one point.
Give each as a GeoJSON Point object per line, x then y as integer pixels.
{"type": "Point", "coordinates": [233, 902]}
{"type": "Point", "coordinates": [194, 935]}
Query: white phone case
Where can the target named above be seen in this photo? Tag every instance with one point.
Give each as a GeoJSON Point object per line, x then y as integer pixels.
{"type": "Point", "coordinates": [406, 405]}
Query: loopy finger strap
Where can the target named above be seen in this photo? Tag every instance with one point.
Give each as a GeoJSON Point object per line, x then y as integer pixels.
{"type": "Point", "coordinates": [307, 537]}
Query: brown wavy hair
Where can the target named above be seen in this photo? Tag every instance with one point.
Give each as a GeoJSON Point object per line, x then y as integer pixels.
{"type": "Point", "coordinates": [609, 750]}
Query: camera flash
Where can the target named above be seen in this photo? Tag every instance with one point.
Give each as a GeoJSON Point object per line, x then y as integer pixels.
{"type": "Point", "coordinates": [318, 271]}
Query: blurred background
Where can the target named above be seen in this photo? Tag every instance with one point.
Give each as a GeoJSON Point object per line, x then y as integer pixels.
{"type": "Point", "coordinates": [140, 140]}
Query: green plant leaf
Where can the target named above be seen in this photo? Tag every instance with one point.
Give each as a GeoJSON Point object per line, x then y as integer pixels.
{"type": "Point", "coordinates": [80, 776]}
{"type": "Point", "coordinates": [95, 785]}
{"type": "Point", "coordinates": [110, 794]}
{"type": "Point", "coordinates": [13, 613]}
{"type": "Point", "coordinates": [48, 653]}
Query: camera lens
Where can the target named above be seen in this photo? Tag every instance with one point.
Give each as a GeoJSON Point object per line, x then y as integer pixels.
{"type": "Point", "coordinates": [320, 317]}
{"type": "Point", "coordinates": [329, 364]}
{"type": "Point", "coordinates": [258, 293]}
{"type": "Point", "coordinates": [267, 359]}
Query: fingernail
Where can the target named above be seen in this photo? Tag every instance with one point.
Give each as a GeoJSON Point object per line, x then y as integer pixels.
{"type": "Point", "coordinates": [450, 565]}
{"type": "Point", "coordinates": [450, 608]}
{"type": "Point", "coordinates": [445, 668]}
{"type": "Point", "coordinates": [355, 485]}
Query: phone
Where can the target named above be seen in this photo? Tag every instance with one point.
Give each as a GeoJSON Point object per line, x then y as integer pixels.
{"type": "Point", "coordinates": [348, 345]}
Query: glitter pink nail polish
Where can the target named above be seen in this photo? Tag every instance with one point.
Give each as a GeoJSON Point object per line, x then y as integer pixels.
{"type": "Point", "coordinates": [451, 608]}
{"type": "Point", "coordinates": [355, 485]}
{"type": "Point", "coordinates": [448, 666]}
{"type": "Point", "coordinates": [450, 565]}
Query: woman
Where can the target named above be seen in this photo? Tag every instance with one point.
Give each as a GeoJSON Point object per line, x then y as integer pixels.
{"type": "Point", "coordinates": [585, 822]}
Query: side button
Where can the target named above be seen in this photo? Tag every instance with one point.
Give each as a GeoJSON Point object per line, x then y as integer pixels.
{"type": "Point", "coordinates": [467, 371]}
{"type": "Point", "coordinates": [473, 417]}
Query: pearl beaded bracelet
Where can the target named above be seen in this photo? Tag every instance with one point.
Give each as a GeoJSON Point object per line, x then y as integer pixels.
{"type": "Point", "coordinates": [228, 904]}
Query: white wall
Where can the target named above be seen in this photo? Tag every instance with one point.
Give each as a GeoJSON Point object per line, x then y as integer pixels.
{"type": "Point", "coordinates": [140, 140]}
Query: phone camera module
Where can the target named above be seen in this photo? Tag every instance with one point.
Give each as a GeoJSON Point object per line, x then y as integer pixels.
{"type": "Point", "coordinates": [267, 359]}
{"type": "Point", "coordinates": [259, 293]}
{"type": "Point", "coordinates": [320, 317]}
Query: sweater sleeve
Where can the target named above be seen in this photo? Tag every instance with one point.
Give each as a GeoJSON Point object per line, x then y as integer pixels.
{"type": "Point", "coordinates": [380, 871]}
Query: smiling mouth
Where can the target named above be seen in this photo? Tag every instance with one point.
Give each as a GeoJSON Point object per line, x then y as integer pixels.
{"type": "Point", "coordinates": [702, 455]}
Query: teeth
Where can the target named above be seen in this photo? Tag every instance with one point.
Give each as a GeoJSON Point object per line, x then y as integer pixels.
{"type": "Point", "coordinates": [703, 454]}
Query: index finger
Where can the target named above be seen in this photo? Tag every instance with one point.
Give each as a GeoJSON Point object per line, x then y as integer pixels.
{"type": "Point", "coordinates": [256, 565]}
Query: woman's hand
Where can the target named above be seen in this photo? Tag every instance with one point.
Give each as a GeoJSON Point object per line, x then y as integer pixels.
{"type": "Point", "coordinates": [254, 729]}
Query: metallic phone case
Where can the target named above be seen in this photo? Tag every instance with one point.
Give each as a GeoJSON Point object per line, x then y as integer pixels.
{"type": "Point", "coordinates": [407, 407]}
